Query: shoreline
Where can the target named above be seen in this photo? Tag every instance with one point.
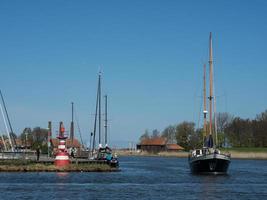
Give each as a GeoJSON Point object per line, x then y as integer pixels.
{"type": "Point", "coordinates": [183, 154]}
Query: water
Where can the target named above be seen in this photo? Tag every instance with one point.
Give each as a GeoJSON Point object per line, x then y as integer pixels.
{"type": "Point", "coordinates": [141, 178]}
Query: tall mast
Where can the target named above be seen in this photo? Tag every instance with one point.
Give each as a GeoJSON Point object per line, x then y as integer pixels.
{"type": "Point", "coordinates": [96, 109]}
{"type": "Point", "coordinates": [211, 81]}
{"type": "Point", "coordinates": [72, 125]}
{"type": "Point", "coordinates": [205, 104]}
{"type": "Point", "coordinates": [99, 107]}
{"type": "Point", "coordinates": [106, 120]}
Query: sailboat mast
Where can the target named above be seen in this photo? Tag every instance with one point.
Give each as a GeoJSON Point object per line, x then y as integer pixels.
{"type": "Point", "coordinates": [106, 119]}
{"type": "Point", "coordinates": [72, 125]}
{"type": "Point", "coordinates": [205, 103]}
{"type": "Point", "coordinates": [96, 109]}
{"type": "Point", "coordinates": [211, 81]}
{"type": "Point", "coordinates": [99, 107]}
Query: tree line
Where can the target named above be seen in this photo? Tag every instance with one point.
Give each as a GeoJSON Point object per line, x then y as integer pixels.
{"type": "Point", "coordinates": [30, 139]}
{"type": "Point", "coordinates": [231, 132]}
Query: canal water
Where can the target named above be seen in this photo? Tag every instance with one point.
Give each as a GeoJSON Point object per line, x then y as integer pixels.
{"type": "Point", "coordinates": [141, 178]}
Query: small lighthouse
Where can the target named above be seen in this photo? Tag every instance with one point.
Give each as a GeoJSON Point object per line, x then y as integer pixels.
{"type": "Point", "coordinates": [62, 157]}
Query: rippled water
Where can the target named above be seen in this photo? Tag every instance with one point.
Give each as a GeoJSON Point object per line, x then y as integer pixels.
{"type": "Point", "coordinates": [141, 178]}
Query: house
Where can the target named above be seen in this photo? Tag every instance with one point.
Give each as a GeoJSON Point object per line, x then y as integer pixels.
{"type": "Point", "coordinates": [157, 144]}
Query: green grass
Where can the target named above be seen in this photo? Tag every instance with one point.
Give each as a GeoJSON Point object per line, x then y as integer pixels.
{"type": "Point", "coordinates": [246, 149]}
{"type": "Point", "coordinates": [31, 166]}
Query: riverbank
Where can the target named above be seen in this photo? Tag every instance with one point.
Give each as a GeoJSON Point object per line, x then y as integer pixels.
{"type": "Point", "coordinates": [30, 166]}
{"type": "Point", "coordinates": [182, 154]}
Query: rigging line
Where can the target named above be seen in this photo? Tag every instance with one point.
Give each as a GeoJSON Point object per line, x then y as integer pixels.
{"type": "Point", "coordinates": [199, 113]}
{"type": "Point", "coordinates": [7, 131]}
{"type": "Point", "coordinates": [78, 126]}
{"type": "Point", "coordinates": [9, 123]}
{"type": "Point", "coordinates": [214, 110]}
{"type": "Point", "coordinates": [4, 143]}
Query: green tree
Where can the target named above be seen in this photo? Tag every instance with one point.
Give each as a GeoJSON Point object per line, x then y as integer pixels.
{"type": "Point", "coordinates": [223, 120]}
{"type": "Point", "coordinates": [184, 131]}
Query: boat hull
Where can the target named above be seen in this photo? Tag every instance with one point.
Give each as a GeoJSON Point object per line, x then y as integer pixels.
{"type": "Point", "coordinates": [209, 164]}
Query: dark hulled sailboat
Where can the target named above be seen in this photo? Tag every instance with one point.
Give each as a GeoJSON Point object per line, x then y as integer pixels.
{"type": "Point", "coordinates": [209, 159]}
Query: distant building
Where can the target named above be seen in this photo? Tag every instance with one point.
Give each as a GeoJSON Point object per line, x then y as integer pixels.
{"type": "Point", "coordinates": [158, 144]}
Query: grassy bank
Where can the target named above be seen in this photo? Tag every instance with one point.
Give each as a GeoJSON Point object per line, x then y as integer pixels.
{"type": "Point", "coordinates": [246, 149]}
{"type": "Point", "coordinates": [31, 166]}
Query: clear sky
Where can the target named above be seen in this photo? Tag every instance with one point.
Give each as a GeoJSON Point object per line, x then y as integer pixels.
{"type": "Point", "coordinates": [151, 54]}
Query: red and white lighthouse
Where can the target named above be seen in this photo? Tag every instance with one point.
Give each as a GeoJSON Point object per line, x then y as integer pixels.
{"type": "Point", "coordinates": [62, 157]}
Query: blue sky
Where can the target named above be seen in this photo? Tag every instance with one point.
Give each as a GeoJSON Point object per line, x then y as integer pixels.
{"type": "Point", "coordinates": [151, 54]}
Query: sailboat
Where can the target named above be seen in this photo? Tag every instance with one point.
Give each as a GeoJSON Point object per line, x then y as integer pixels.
{"type": "Point", "coordinates": [102, 153]}
{"type": "Point", "coordinates": [209, 159]}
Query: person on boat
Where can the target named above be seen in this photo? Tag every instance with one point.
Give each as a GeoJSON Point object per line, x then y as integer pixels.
{"type": "Point", "coordinates": [109, 157]}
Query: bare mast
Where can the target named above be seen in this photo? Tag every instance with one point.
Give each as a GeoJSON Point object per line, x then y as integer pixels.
{"type": "Point", "coordinates": [211, 82]}
{"type": "Point", "coordinates": [71, 125]}
{"type": "Point", "coordinates": [99, 108]}
{"type": "Point", "coordinates": [106, 120]}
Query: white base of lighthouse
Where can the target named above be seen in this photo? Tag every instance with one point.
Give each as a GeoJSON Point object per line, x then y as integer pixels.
{"type": "Point", "coordinates": [62, 159]}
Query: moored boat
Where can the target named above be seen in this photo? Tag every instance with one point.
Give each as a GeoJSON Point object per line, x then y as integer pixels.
{"type": "Point", "coordinates": [102, 153]}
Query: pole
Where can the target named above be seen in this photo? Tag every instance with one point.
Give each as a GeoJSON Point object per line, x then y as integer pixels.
{"type": "Point", "coordinates": [71, 125]}
{"type": "Point", "coordinates": [49, 134]}
{"type": "Point", "coordinates": [211, 82]}
{"type": "Point", "coordinates": [99, 108]}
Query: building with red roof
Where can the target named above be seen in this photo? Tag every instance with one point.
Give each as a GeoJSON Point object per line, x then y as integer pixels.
{"type": "Point", "coordinates": [158, 144]}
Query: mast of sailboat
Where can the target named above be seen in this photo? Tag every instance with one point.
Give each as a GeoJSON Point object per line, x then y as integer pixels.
{"type": "Point", "coordinates": [9, 123]}
{"type": "Point", "coordinates": [211, 83]}
{"type": "Point", "coordinates": [99, 108]}
{"type": "Point", "coordinates": [96, 109]}
{"type": "Point", "coordinates": [205, 106]}
{"type": "Point", "coordinates": [106, 120]}
{"type": "Point", "coordinates": [72, 125]}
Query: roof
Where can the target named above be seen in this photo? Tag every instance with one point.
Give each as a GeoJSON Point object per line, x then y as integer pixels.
{"type": "Point", "coordinates": [158, 141]}
{"type": "Point", "coordinates": [174, 147]}
{"type": "Point", "coordinates": [76, 143]}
